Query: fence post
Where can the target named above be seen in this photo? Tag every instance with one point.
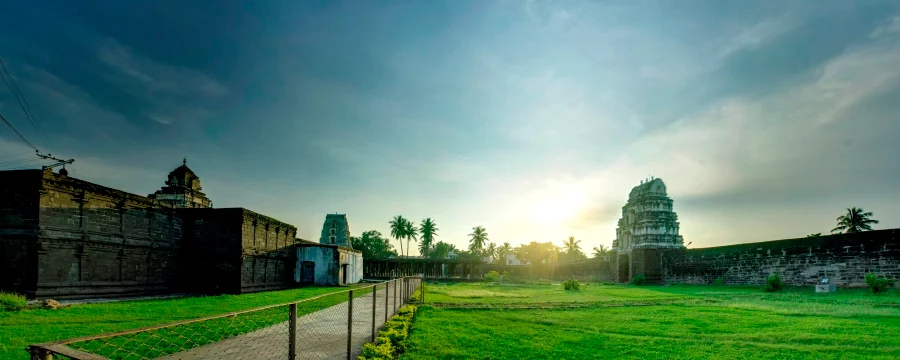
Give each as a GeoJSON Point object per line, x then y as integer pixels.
{"type": "Point", "coordinates": [350, 325]}
{"type": "Point", "coordinates": [423, 289]}
{"type": "Point", "coordinates": [387, 296]}
{"type": "Point", "coordinates": [374, 300]}
{"type": "Point", "coordinates": [292, 332]}
{"type": "Point", "coordinates": [395, 296]}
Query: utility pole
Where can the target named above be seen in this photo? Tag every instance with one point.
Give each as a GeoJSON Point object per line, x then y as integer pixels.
{"type": "Point", "coordinates": [57, 163]}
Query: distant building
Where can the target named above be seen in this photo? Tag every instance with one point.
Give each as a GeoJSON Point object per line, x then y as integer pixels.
{"type": "Point", "coordinates": [327, 265]}
{"type": "Point", "coordinates": [336, 231]}
{"type": "Point", "coordinates": [512, 260]}
{"type": "Point", "coordinates": [182, 190]}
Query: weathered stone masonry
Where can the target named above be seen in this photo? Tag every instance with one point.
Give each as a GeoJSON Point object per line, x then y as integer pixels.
{"type": "Point", "coordinates": [62, 237]}
{"type": "Point", "coordinates": [843, 258]}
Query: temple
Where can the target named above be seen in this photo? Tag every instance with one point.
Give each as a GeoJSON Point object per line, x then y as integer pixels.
{"type": "Point", "coordinates": [182, 190]}
{"type": "Point", "coordinates": [647, 227]}
{"type": "Point", "coordinates": [336, 231]}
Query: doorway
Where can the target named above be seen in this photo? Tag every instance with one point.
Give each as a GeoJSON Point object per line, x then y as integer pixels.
{"type": "Point", "coordinates": [624, 267]}
{"type": "Point", "coordinates": [307, 273]}
{"type": "Point", "coordinates": [344, 271]}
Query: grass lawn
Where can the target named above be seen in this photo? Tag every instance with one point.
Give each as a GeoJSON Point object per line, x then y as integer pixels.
{"type": "Point", "coordinates": [696, 322]}
{"type": "Point", "coordinates": [19, 329]}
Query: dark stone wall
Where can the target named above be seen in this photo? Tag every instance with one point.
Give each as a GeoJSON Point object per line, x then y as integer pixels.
{"type": "Point", "coordinates": [61, 237]}
{"type": "Point", "coordinates": [843, 258]}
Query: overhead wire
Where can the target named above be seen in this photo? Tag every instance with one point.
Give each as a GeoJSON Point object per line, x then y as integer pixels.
{"type": "Point", "coordinates": [17, 133]}
{"type": "Point", "coordinates": [23, 102]}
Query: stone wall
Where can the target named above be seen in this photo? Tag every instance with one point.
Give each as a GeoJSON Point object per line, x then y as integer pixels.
{"type": "Point", "coordinates": [843, 258]}
{"type": "Point", "coordinates": [61, 237]}
{"type": "Point", "coordinates": [71, 238]}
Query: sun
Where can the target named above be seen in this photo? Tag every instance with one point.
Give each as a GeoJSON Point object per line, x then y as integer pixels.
{"type": "Point", "coordinates": [553, 209]}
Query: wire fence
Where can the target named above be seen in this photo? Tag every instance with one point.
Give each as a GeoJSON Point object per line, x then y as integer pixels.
{"type": "Point", "coordinates": [331, 326]}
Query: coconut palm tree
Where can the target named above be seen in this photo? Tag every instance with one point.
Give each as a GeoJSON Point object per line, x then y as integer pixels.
{"type": "Point", "coordinates": [429, 230]}
{"type": "Point", "coordinates": [477, 238]}
{"type": "Point", "coordinates": [504, 250]}
{"type": "Point", "coordinates": [491, 251]}
{"type": "Point", "coordinates": [398, 230]}
{"type": "Point", "coordinates": [410, 232]}
{"type": "Point", "coordinates": [855, 220]}
{"type": "Point", "coordinates": [600, 251]}
{"type": "Point", "coordinates": [572, 246]}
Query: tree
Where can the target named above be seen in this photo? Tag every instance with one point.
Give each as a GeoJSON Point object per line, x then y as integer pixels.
{"type": "Point", "coordinates": [504, 250]}
{"type": "Point", "coordinates": [411, 233]}
{"type": "Point", "coordinates": [573, 249]}
{"type": "Point", "coordinates": [373, 245]}
{"type": "Point", "coordinates": [855, 220]}
{"type": "Point", "coordinates": [477, 239]}
{"type": "Point", "coordinates": [814, 235]}
{"type": "Point", "coordinates": [600, 251]}
{"type": "Point", "coordinates": [429, 230]}
{"type": "Point", "coordinates": [398, 230]}
{"type": "Point", "coordinates": [536, 253]}
{"type": "Point", "coordinates": [440, 250]}
{"type": "Point", "coordinates": [491, 252]}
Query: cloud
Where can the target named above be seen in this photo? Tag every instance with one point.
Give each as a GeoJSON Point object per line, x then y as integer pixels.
{"type": "Point", "coordinates": [758, 34]}
{"type": "Point", "coordinates": [890, 28]}
{"type": "Point", "coordinates": [164, 90]}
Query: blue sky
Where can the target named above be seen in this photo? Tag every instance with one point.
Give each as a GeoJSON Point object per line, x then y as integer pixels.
{"type": "Point", "coordinates": [532, 118]}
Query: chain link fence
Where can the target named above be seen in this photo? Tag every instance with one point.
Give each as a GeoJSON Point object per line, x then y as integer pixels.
{"type": "Point", "coordinates": [331, 326]}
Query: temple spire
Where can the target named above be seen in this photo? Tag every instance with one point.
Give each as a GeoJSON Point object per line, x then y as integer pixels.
{"type": "Point", "coordinates": [184, 161]}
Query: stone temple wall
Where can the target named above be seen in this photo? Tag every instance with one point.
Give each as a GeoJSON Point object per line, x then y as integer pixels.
{"type": "Point", "coordinates": [69, 238]}
{"type": "Point", "coordinates": [843, 258]}
{"type": "Point", "coordinates": [61, 237]}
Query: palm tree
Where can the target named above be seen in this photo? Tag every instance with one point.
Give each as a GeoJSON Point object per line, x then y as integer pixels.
{"type": "Point", "coordinates": [600, 251]}
{"type": "Point", "coordinates": [398, 230]}
{"type": "Point", "coordinates": [504, 250]}
{"type": "Point", "coordinates": [411, 233]}
{"type": "Point", "coordinates": [429, 230]}
{"type": "Point", "coordinates": [814, 235]}
{"type": "Point", "coordinates": [855, 220]}
{"type": "Point", "coordinates": [572, 246]}
{"type": "Point", "coordinates": [478, 238]}
{"type": "Point", "coordinates": [491, 251]}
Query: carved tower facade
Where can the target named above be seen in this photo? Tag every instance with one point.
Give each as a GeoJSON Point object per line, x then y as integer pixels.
{"type": "Point", "coordinates": [648, 227]}
{"type": "Point", "coordinates": [336, 230]}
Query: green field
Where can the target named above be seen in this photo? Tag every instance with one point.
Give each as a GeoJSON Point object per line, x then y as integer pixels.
{"type": "Point", "coordinates": [19, 329]}
{"type": "Point", "coordinates": [654, 322]}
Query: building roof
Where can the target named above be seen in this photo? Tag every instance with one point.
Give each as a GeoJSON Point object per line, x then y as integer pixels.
{"type": "Point", "coordinates": [182, 170]}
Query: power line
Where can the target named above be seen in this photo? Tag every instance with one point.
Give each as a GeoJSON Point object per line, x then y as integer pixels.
{"type": "Point", "coordinates": [17, 133]}
{"type": "Point", "coordinates": [23, 102]}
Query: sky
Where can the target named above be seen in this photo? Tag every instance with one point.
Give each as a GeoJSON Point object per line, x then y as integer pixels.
{"type": "Point", "coordinates": [534, 119]}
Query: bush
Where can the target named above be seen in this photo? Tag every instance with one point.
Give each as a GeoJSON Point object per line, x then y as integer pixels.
{"type": "Point", "coordinates": [12, 301]}
{"type": "Point", "coordinates": [391, 340]}
{"type": "Point", "coordinates": [774, 283]}
{"type": "Point", "coordinates": [718, 281]}
{"type": "Point", "coordinates": [639, 279]}
{"type": "Point", "coordinates": [491, 277]}
{"type": "Point", "coordinates": [878, 284]}
{"type": "Point", "coordinates": [571, 285]}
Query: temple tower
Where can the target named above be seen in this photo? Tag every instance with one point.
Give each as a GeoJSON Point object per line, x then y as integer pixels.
{"type": "Point", "coordinates": [182, 189]}
{"type": "Point", "coordinates": [648, 227]}
{"type": "Point", "coordinates": [336, 230]}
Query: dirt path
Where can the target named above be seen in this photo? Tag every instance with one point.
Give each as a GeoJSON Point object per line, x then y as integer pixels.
{"type": "Point", "coordinates": [320, 335]}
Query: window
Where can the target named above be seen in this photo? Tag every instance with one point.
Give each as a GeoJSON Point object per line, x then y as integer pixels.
{"type": "Point", "coordinates": [332, 239]}
{"type": "Point", "coordinates": [332, 231]}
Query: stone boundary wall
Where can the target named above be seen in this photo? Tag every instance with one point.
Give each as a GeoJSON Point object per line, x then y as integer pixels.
{"type": "Point", "coordinates": [843, 258]}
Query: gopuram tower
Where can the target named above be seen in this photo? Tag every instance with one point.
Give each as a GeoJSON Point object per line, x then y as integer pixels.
{"type": "Point", "coordinates": [648, 227]}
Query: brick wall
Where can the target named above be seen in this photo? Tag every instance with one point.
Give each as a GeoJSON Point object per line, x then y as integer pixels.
{"type": "Point", "coordinates": [843, 258]}
{"type": "Point", "coordinates": [19, 200]}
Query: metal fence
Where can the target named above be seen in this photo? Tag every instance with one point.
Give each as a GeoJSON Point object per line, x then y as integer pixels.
{"type": "Point", "coordinates": [331, 326]}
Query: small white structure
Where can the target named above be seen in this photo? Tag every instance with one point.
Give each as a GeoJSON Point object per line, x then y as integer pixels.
{"type": "Point", "coordinates": [319, 264]}
{"type": "Point", "coordinates": [512, 260]}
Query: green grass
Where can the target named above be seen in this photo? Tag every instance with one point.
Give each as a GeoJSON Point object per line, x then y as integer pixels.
{"type": "Point", "coordinates": [690, 322]}
{"type": "Point", "coordinates": [19, 329]}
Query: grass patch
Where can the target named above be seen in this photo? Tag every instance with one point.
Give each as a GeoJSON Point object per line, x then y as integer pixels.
{"type": "Point", "coordinates": [31, 326]}
{"type": "Point", "coordinates": [11, 301]}
{"type": "Point", "coordinates": [686, 322]}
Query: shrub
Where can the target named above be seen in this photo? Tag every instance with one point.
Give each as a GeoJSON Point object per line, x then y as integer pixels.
{"type": "Point", "coordinates": [878, 284]}
{"type": "Point", "coordinates": [774, 283]}
{"type": "Point", "coordinates": [492, 276]}
{"type": "Point", "coordinates": [12, 301]}
{"type": "Point", "coordinates": [571, 285]}
{"type": "Point", "coordinates": [639, 279]}
{"type": "Point", "coordinates": [391, 340]}
{"type": "Point", "coordinates": [718, 281]}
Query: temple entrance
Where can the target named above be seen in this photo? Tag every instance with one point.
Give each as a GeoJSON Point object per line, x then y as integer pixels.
{"type": "Point", "coordinates": [307, 273]}
{"type": "Point", "coordinates": [623, 269]}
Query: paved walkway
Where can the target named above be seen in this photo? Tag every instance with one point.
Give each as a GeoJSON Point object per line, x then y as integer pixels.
{"type": "Point", "coordinates": [320, 335]}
